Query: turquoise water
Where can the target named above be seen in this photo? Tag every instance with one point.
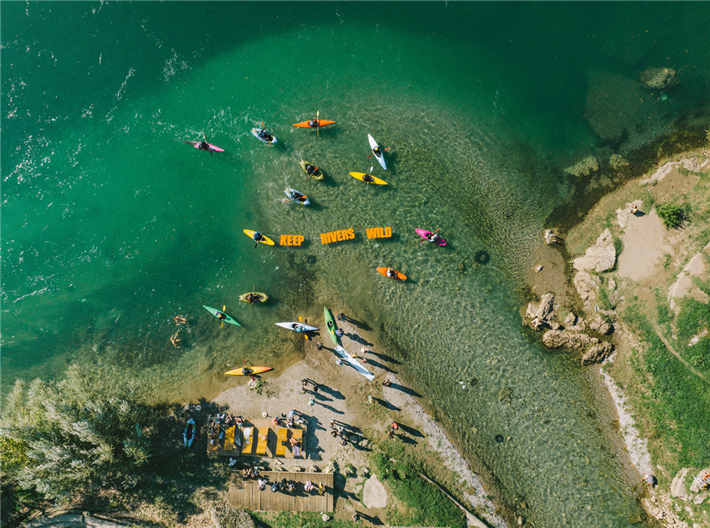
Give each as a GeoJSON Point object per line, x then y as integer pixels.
{"type": "Point", "coordinates": [111, 225]}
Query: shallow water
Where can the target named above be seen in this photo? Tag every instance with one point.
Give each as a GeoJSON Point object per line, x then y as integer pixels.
{"type": "Point", "coordinates": [112, 225]}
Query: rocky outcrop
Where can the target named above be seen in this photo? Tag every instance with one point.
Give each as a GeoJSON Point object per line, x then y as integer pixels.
{"type": "Point", "coordinates": [598, 324]}
{"type": "Point", "coordinates": [224, 516]}
{"type": "Point", "coordinates": [545, 311]}
{"type": "Point", "coordinates": [374, 494]}
{"type": "Point", "coordinates": [587, 287]}
{"type": "Point", "coordinates": [658, 78]}
{"type": "Point", "coordinates": [600, 257]}
{"type": "Point", "coordinates": [567, 339]}
{"type": "Point", "coordinates": [663, 513]}
{"type": "Point", "coordinates": [597, 353]}
{"type": "Point", "coordinates": [583, 167]}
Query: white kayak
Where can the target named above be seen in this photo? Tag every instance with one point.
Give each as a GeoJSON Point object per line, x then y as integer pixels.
{"type": "Point", "coordinates": [267, 138]}
{"type": "Point", "coordinates": [354, 363]}
{"type": "Point", "coordinates": [297, 196]}
{"type": "Point", "coordinates": [373, 146]}
{"type": "Point", "coordinates": [297, 327]}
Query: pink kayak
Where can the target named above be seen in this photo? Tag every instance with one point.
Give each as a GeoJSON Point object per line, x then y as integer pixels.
{"type": "Point", "coordinates": [422, 233]}
{"type": "Point", "coordinates": [196, 144]}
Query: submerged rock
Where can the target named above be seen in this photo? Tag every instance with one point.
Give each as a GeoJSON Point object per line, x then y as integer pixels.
{"type": "Point", "coordinates": [583, 167]}
{"type": "Point", "coordinates": [599, 257]}
{"type": "Point", "coordinates": [567, 339]}
{"type": "Point", "coordinates": [597, 353]}
{"type": "Point", "coordinates": [658, 78]}
{"type": "Point", "coordinates": [617, 162]}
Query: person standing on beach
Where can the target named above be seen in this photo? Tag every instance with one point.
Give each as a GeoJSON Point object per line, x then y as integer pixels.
{"type": "Point", "coordinates": [341, 317]}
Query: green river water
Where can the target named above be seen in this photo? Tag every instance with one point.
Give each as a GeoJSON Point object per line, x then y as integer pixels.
{"type": "Point", "coordinates": [111, 225]}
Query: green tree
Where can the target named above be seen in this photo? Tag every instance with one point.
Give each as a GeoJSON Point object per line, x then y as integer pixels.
{"type": "Point", "coordinates": [81, 433]}
{"type": "Point", "coordinates": [671, 214]}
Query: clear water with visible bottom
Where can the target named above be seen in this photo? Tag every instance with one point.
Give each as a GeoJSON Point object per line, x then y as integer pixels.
{"type": "Point", "coordinates": [112, 225]}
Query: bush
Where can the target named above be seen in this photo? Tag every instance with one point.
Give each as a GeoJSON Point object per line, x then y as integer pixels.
{"type": "Point", "coordinates": [672, 215]}
{"type": "Point", "coordinates": [81, 433]}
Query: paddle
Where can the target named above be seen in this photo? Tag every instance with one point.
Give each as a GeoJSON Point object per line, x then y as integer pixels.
{"type": "Point", "coordinates": [317, 123]}
{"type": "Point", "coordinates": [224, 307]}
{"type": "Point", "coordinates": [424, 240]}
{"type": "Point", "coordinates": [300, 320]}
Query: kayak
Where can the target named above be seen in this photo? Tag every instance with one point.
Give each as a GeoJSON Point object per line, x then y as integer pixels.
{"type": "Point", "coordinates": [317, 175]}
{"type": "Point", "coordinates": [257, 134]}
{"type": "Point", "coordinates": [422, 233]}
{"type": "Point", "coordinates": [373, 146]}
{"type": "Point", "coordinates": [321, 123]}
{"type": "Point", "coordinates": [400, 276]}
{"type": "Point", "coordinates": [190, 432]}
{"type": "Point", "coordinates": [354, 363]}
{"type": "Point", "coordinates": [332, 327]}
{"type": "Point", "coordinates": [215, 311]}
{"type": "Point", "coordinates": [263, 297]}
{"type": "Point", "coordinates": [254, 370]}
{"type": "Point", "coordinates": [196, 144]}
{"type": "Point", "coordinates": [267, 240]}
{"type": "Point", "coordinates": [359, 176]}
{"type": "Point", "coordinates": [289, 193]}
{"type": "Point", "coordinates": [297, 327]}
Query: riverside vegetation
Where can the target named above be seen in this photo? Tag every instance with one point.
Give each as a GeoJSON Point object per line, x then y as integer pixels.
{"type": "Point", "coordinates": [87, 443]}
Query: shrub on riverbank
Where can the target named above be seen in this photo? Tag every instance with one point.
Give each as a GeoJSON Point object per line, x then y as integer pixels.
{"type": "Point", "coordinates": [426, 504]}
{"type": "Point", "coordinates": [672, 215]}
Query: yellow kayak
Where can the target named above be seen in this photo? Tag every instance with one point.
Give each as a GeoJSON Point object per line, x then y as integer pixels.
{"type": "Point", "coordinates": [361, 175]}
{"type": "Point", "coordinates": [266, 240]}
{"type": "Point", "coordinates": [247, 371]}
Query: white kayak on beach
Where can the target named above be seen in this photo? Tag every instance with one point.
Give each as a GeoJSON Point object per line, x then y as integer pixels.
{"type": "Point", "coordinates": [355, 363]}
{"type": "Point", "coordinates": [381, 156]}
{"type": "Point", "coordinates": [297, 327]}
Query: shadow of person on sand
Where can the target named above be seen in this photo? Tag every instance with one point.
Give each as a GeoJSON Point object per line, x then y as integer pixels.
{"type": "Point", "coordinates": [386, 404]}
{"type": "Point", "coordinates": [381, 366]}
{"type": "Point", "coordinates": [373, 520]}
{"type": "Point", "coordinates": [358, 339]}
{"type": "Point", "coordinates": [330, 408]}
{"type": "Point", "coordinates": [410, 430]}
{"type": "Point", "coordinates": [385, 357]}
{"type": "Point", "coordinates": [334, 393]}
{"type": "Point", "coordinates": [406, 390]}
{"type": "Point", "coordinates": [406, 440]}
{"type": "Point", "coordinates": [360, 324]}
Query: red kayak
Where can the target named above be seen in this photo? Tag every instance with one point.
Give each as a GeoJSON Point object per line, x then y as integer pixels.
{"type": "Point", "coordinates": [422, 233]}
{"type": "Point", "coordinates": [210, 148]}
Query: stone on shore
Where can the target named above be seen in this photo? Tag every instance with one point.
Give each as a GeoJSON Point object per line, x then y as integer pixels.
{"type": "Point", "coordinates": [567, 339]}
{"type": "Point", "coordinates": [583, 167]}
{"type": "Point", "coordinates": [545, 311]}
{"type": "Point", "coordinates": [658, 78]}
{"type": "Point", "coordinates": [599, 257]}
{"type": "Point", "coordinates": [600, 325]}
{"type": "Point", "coordinates": [374, 494]}
{"type": "Point", "coordinates": [678, 484]}
{"type": "Point", "coordinates": [597, 353]}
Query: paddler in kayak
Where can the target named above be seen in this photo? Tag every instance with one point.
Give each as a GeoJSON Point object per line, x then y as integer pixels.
{"type": "Point", "coordinates": [221, 316]}
{"type": "Point", "coordinates": [204, 146]}
{"type": "Point", "coordinates": [433, 237]}
{"type": "Point", "coordinates": [311, 170]}
{"type": "Point", "coordinates": [392, 274]}
{"type": "Point", "coordinates": [377, 151]}
{"type": "Point", "coordinates": [257, 236]}
{"type": "Point", "coordinates": [263, 134]}
{"type": "Point", "coordinates": [252, 298]}
{"type": "Point", "coordinates": [367, 178]}
{"type": "Point", "coordinates": [298, 196]}
{"type": "Point", "coordinates": [313, 123]}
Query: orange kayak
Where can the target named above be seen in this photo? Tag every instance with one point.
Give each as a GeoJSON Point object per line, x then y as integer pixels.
{"type": "Point", "coordinates": [400, 276]}
{"type": "Point", "coordinates": [321, 123]}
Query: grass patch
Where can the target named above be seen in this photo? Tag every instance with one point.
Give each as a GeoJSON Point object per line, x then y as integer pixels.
{"type": "Point", "coordinates": [667, 259]}
{"type": "Point", "coordinates": [299, 520]}
{"type": "Point", "coordinates": [425, 504]}
{"type": "Point", "coordinates": [677, 401]}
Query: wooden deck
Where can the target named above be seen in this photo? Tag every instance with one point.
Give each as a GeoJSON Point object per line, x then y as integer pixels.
{"type": "Point", "coordinates": [259, 438]}
{"type": "Point", "coordinates": [245, 493]}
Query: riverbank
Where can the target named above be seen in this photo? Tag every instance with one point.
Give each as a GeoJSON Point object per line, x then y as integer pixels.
{"type": "Point", "coordinates": [626, 290]}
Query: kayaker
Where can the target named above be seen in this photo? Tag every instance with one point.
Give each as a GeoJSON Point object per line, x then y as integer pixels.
{"type": "Point", "coordinates": [330, 324]}
{"type": "Point", "coordinates": [251, 298]}
{"type": "Point", "coordinates": [313, 123]}
{"type": "Point", "coordinates": [392, 274]}
{"type": "Point", "coordinates": [204, 145]}
{"type": "Point", "coordinates": [310, 169]}
{"type": "Point", "coordinates": [339, 332]}
{"type": "Point", "coordinates": [247, 371]}
{"type": "Point", "coordinates": [377, 152]}
{"type": "Point", "coordinates": [367, 178]}
{"type": "Point", "coordinates": [265, 135]}
{"type": "Point", "coordinates": [257, 236]}
{"type": "Point", "coordinates": [432, 237]}
{"type": "Point", "coordinates": [221, 316]}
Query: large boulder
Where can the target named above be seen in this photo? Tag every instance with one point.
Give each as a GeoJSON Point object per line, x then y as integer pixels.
{"type": "Point", "coordinates": [678, 484]}
{"type": "Point", "coordinates": [374, 494]}
{"type": "Point", "coordinates": [658, 78]}
{"type": "Point", "coordinates": [600, 257]}
{"type": "Point", "coordinates": [567, 339]}
{"type": "Point", "coordinates": [597, 353]}
{"type": "Point", "coordinates": [600, 325]}
{"type": "Point", "coordinates": [545, 311]}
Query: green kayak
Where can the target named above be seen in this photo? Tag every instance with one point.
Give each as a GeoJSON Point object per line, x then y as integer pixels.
{"type": "Point", "coordinates": [330, 324]}
{"type": "Point", "coordinates": [215, 312]}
